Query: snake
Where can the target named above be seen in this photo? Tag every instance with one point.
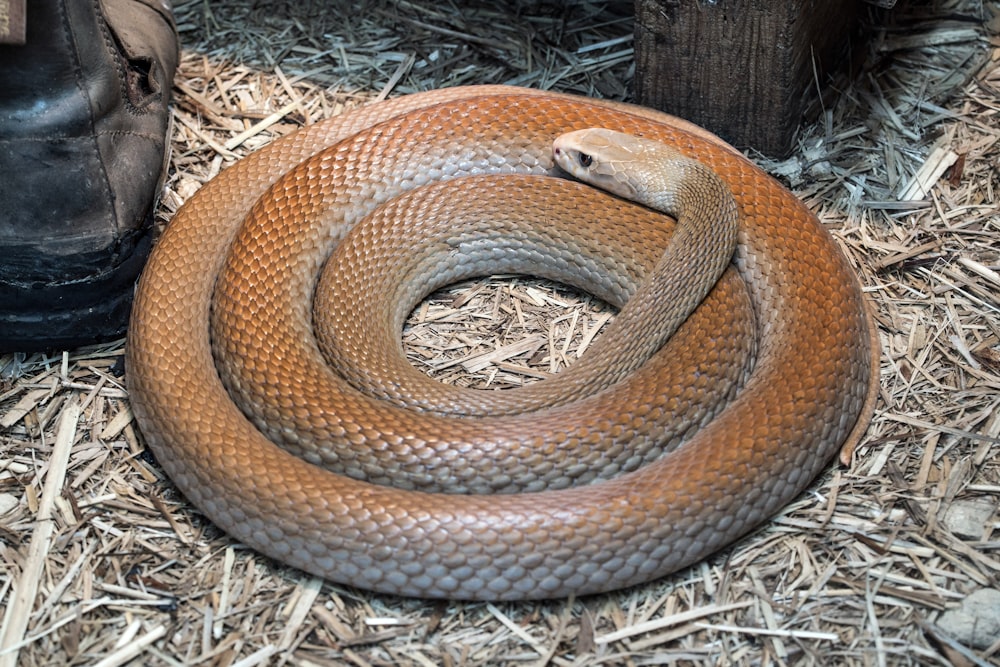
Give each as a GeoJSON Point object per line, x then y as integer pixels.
{"type": "Point", "coordinates": [266, 374]}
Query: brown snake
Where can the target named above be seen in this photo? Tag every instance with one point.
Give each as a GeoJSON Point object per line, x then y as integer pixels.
{"type": "Point", "coordinates": [795, 379]}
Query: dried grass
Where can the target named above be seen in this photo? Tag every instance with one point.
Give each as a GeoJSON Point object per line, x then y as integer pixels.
{"type": "Point", "coordinates": [103, 562]}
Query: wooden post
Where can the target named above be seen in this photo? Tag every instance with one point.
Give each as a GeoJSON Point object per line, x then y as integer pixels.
{"type": "Point", "coordinates": [744, 69]}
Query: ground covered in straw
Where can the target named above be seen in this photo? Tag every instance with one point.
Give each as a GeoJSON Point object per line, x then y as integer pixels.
{"type": "Point", "coordinates": [102, 562]}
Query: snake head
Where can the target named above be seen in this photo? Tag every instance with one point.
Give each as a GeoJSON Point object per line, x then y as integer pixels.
{"type": "Point", "coordinates": [603, 158]}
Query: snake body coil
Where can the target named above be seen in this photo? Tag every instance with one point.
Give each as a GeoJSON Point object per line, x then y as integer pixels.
{"type": "Point", "coordinates": [794, 378]}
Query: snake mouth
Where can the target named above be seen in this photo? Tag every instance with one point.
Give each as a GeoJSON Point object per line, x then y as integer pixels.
{"type": "Point", "coordinates": [603, 158]}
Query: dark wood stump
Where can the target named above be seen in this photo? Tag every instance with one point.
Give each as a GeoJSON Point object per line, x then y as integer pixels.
{"type": "Point", "coordinates": [744, 69]}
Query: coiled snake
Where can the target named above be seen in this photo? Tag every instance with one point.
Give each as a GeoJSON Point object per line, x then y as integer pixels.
{"type": "Point", "coordinates": [680, 449]}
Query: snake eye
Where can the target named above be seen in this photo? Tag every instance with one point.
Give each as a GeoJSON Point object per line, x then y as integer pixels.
{"type": "Point", "coordinates": [585, 160]}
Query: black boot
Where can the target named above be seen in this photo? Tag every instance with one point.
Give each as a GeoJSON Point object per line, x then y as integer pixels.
{"type": "Point", "coordinates": [83, 126]}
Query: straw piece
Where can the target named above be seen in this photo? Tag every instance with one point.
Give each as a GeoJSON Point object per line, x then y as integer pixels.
{"type": "Point", "coordinates": [15, 621]}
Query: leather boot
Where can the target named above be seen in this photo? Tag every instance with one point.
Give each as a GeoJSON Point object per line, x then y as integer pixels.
{"type": "Point", "coordinates": [83, 129]}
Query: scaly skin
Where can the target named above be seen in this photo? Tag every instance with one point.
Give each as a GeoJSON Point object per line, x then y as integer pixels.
{"type": "Point", "coordinates": [807, 394]}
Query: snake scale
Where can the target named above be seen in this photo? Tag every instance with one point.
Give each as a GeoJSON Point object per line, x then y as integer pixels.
{"type": "Point", "coordinates": [679, 453]}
